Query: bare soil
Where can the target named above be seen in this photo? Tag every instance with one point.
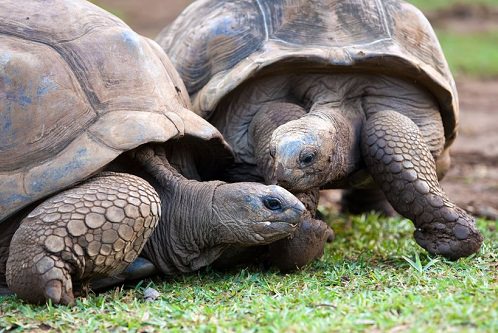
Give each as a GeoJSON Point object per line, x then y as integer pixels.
{"type": "Point", "coordinates": [473, 179]}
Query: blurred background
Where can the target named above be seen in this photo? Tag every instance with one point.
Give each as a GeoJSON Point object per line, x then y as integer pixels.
{"type": "Point", "coordinates": [468, 32]}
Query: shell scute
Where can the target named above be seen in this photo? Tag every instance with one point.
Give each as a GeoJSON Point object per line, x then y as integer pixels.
{"type": "Point", "coordinates": [36, 84]}
{"type": "Point", "coordinates": [227, 33]}
{"type": "Point", "coordinates": [317, 23]}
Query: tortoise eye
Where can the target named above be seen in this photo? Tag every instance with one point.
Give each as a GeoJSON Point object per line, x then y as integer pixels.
{"type": "Point", "coordinates": [272, 203]}
{"type": "Point", "coordinates": [307, 157]}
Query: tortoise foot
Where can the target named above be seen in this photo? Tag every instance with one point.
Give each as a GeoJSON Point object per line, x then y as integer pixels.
{"type": "Point", "coordinates": [55, 284]}
{"type": "Point", "coordinates": [305, 246]}
{"type": "Point", "coordinates": [41, 278]}
{"type": "Point", "coordinates": [451, 239]}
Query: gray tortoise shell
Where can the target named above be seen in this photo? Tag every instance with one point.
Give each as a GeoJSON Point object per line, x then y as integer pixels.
{"type": "Point", "coordinates": [77, 88]}
{"type": "Point", "coordinates": [218, 44]}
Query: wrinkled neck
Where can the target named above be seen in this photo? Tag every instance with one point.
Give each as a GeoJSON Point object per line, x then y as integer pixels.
{"type": "Point", "coordinates": [183, 240]}
{"type": "Point", "coordinates": [339, 114]}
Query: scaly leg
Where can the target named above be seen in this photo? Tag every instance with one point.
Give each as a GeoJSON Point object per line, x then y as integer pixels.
{"type": "Point", "coordinates": [403, 167]}
{"type": "Point", "coordinates": [92, 230]}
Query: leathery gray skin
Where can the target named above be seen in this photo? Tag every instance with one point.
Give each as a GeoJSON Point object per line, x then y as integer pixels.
{"type": "Point", "coordinates": [100, 227]}
{"type": "Point", "coordinates": [388, 127]}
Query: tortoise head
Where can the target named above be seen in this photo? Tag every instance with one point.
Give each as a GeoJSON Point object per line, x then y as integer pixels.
{"type": "Point", "coordinates": [310, 152]}
{"type": "Point", "coordinates": [255, 214]}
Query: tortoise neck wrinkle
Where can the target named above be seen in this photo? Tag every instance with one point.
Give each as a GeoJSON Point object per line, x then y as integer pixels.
{"type": "Point", "coordinates": [183, 232]}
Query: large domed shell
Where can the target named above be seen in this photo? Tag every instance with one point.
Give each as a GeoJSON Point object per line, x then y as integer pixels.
{"type": "Point", "coordinates": [216, 45]}
{"type": "Point", "coordinates": [78, 88]}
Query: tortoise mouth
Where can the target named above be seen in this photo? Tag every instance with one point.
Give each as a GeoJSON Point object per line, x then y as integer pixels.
{"type": "Point", "coordinates": [289, 221]}
{"type": "Point", "coordinates": [271, 224]}
{"type": "Point", "coordinates": [269, 229]}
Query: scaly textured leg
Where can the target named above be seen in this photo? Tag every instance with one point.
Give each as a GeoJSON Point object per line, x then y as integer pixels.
{"type": "Point", "coordinates": [95, 229]}
{"type": "Point", "coordinates": [401, 164]}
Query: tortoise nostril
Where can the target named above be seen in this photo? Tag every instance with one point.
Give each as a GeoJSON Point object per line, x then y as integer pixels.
{"type": "Point", "coordinates": [273, 151]}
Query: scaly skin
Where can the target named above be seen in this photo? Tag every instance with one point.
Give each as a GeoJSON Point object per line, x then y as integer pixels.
{"type": "Point", "coordinates": [95, 229]}
{"type": "Point", "coordinates": [402, 165]}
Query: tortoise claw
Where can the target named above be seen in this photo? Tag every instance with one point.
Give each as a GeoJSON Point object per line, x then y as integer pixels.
{"type": "Point", "coordinates": [56, 291]}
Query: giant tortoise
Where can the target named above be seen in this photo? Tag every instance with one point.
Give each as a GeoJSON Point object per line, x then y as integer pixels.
{"type": "Point", "coordinates": [98, 150]}
{"type": "Point", "coordinates": [330, 93]}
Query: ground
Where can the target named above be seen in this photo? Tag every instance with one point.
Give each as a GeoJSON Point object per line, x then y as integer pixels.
{"type": "Point", "coordinates": [473, 179]}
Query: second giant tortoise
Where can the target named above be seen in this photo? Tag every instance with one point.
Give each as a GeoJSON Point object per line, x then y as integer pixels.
{"type": "Point", "coordinates": [330, 93]}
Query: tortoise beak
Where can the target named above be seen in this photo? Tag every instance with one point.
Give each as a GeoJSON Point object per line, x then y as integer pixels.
{"type": "Point", "coordinates": [299, 207]}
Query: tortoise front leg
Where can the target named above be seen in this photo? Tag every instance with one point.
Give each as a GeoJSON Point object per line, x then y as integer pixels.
{"type": "Point", "coordinates": [307, 243]}
{"type": "Point", "coordinates": [95, 229]}
{"type": "Point", "coordinates": [403, 167]}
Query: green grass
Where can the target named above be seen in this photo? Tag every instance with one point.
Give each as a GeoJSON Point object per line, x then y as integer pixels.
{"type": "Point", "coordinates": [363, 283]}
{"type": "Point", "coordinates": [429, 5]}
{"type": "Point", "coordinates": [471, 54]}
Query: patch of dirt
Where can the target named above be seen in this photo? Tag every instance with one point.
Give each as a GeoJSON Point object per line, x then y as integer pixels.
{"type": "Point", "coordinates": [472, 181]}
{"type": "Point", "coordinates": [478, 117]}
